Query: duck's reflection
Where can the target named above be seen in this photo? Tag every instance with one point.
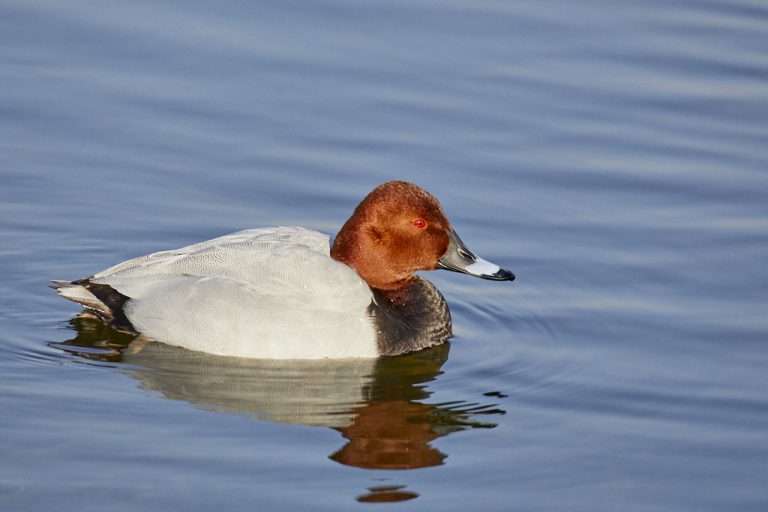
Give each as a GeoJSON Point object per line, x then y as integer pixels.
{"type": "Point", "coordinates": [377, 405]}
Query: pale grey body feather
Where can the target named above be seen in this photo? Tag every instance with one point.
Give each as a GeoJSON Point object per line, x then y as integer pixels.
{"type": "Point", "coordinates": [267, 293]}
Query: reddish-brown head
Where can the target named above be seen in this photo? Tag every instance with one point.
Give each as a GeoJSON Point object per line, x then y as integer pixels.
{"type": "Point", "coordinates": [396, 230]}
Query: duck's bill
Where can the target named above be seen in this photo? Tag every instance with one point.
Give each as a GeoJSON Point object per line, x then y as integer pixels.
{"type": "Point", "coordinates": [460, 259]}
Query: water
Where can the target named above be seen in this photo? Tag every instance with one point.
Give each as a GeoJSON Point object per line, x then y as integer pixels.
{"type": "Point", "coordinates": [612, 154]}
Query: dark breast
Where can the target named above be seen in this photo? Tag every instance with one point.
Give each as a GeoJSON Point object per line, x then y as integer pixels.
{"type": "Point", "coordinates": [411, 319]}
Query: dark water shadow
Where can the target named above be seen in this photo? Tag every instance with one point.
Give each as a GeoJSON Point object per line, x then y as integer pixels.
{"type": "Point", "coordinates": [379, 406]}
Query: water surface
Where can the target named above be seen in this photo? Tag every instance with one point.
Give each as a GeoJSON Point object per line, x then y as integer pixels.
{"type": "Point", "coordinates": [612, 154]}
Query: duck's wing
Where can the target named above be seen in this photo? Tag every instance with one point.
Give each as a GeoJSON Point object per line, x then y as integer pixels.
{"type": "Point", "coordinates": [291, 266]}
{"type": "Point", "coordinates": [249, 256]}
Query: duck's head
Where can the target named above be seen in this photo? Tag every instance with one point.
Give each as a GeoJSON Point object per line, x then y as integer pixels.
{"type": "Point", "coordinates": [399, 229]}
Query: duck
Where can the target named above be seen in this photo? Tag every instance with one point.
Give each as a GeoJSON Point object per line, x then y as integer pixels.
{"type": "Point", "coordinates": [293, 293]}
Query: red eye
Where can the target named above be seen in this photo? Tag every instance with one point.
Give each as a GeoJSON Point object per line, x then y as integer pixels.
{"type": "Point", "coordinates": [420, 223]}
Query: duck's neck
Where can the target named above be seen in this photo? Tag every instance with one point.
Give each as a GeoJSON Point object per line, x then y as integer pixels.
{"type": "Point", "coordinates": [400, 294]}
{"type": "Point", "coordinates": [412, 317]}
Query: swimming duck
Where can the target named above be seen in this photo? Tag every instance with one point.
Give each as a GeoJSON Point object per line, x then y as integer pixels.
{"type": "Point", "coordinates": [286, 293]}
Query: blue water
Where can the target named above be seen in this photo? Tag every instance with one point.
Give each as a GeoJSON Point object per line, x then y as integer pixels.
{"type": "Point", "coordinates": [614, 155]}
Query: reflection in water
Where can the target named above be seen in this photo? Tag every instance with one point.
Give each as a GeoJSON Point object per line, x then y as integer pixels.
{"type": "Point", "coordinates": [387, 493]}
{"type": "Point", "coordinates": [377, 405]}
